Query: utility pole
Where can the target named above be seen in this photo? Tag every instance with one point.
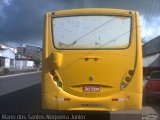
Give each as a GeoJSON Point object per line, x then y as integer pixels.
{"type": "Point", "coordinates": [21, 56]}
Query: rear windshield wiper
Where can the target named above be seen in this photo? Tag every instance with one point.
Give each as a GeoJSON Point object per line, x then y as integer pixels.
{"type": "Point", "coordinates": [63, 44]}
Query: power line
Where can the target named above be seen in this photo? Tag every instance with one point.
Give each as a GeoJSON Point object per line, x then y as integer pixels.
{"type": "Point", "coordinates": [149, 11]}
{"type": "Point", "coordinates": [151, 15]}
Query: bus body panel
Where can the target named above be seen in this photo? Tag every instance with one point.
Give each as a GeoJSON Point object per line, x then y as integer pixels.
{"type": "Point", "coordinates": [76, 72]}
{"type": "Point", "coordinates": [108, 72]}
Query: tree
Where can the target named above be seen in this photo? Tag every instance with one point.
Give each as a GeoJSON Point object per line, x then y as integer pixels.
{"type": "Point", "coordinates": [37, 62]}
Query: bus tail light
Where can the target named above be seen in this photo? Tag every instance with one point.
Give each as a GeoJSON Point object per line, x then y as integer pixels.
{"type": "Point", "coordinates": [59, 83]}
{"type": "Point", "coordinates": [123, 85]}
{"type": "Point", "coordinates": [131, 72]}
{"type": "Point", "coordinates": [127, 79]}
{"type": "Point", "coordinates": [56, 78]}
{"type": "Point", "coordinates": [52, 72]}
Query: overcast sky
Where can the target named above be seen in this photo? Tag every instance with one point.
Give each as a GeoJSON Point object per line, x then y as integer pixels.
{"type": "Point", "coordinates": [21, 21]}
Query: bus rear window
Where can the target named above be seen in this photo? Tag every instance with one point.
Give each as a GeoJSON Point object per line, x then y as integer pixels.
{"type": "Point", "coordinates": [91, 32]}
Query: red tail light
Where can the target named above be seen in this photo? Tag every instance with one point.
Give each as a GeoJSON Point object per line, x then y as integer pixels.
{"type": "Point", "coordinates": [52, 72]}
{"type": "Point", "coordinates": [66, 99]}
{"type": "Point", "coordinates": [56, 78]}
{"type": "Point", "coordinates": [127, 78]}
{"type": "Point", "coordinates": [114, 99]}
{"type": "Point", "coordinates": [131, 72]}
{"type": "Point", "coordinates": [148, 85]}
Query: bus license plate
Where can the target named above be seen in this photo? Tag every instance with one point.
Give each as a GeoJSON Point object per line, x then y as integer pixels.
{"type": "Point", "coordinates": [91, 89]}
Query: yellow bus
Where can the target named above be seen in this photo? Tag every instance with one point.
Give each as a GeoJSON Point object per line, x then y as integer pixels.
{"type": "Point", "coordinates": [92, 60]}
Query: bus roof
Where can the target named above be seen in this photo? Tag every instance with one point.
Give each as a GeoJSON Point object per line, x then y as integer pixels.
{"type": "Point", "coordinates": [92, 11]}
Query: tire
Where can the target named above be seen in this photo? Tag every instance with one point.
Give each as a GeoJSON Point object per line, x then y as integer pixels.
{"type": "Point", "coordinates": [147, 100]}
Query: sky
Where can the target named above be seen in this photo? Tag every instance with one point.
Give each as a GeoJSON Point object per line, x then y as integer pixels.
{"type": "Point", "coordinates": [22, 21]}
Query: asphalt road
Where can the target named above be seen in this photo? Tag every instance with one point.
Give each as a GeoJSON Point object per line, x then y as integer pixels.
{"type": "Point", "coordinates": [16, 82]}
{"type": "Point", "coordinates": [20, 94]}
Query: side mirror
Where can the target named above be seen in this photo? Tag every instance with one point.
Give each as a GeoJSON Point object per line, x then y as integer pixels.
{"type": "Point", "coordinates": [54, 60]}
{"type": "Point", "coordinates": [148, 77]}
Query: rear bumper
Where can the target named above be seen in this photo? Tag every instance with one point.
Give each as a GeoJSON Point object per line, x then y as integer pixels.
{"type": "Point", "coordinates": [155, 94]}
{"type": "Point", "coordinates": [118, 101]}
{"type": "Point", "coordinates": [82, 103]}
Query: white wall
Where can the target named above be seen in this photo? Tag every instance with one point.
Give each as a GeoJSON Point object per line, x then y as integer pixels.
{"type": "Point", "coordinates": [7, 62]}
{"type": "Point", "coordinates": [6, 47]}
{"type": "Point", "coordinates": [24, 64]}
{"type": "Point", "coordinates": [7, 54]}
{"type": "Point", "coordinates": [30, 63]}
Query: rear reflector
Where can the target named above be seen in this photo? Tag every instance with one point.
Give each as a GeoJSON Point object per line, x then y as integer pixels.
{"type": "Point", "coordinates": [66, 99]}
{"type": "Point", "coordinates": [63, 99]}
{"type": "Point", "coordinates": [114, 99]}
{"type": "Point", "coordinates": [118, 99]}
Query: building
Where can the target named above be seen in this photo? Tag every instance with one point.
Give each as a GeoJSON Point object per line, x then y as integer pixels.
{"type": "Point", "coordinates": [32, 51]}
{"type": "Point", "coordinates": [7, 56]}
{"type": "Point", "coordinates": [36, 52]}
{"type": "Point", "coordinates": [8, 47]}
{"type": "Point", "coordinates": [151, 56]}
{"type": "Point", "coordinates": [26, 55]}
{"type": "Point", "coordinates": [21, 50]}
{"type": "Point", "coordinates": [23, 62]}
{"type": "Point", "coordinates": [13, 58]}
